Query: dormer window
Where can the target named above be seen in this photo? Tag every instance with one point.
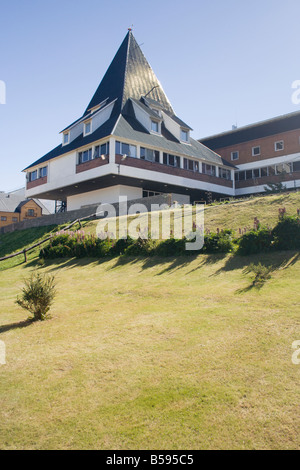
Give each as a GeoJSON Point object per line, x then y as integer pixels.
{"type": "Point", "coordinates": [66, 138]}
{"type": "Point", "coordinates": [154, 126]}
{"type": "Point", "coordinates": [184, 135]}
{"type": "Point", "coordinates": [87, 127]}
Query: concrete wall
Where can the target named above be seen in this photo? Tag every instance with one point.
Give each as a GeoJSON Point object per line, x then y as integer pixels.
{"type": "Point", "coordinates": [100, 196]}
{"type": "Point", "coordinates": [70, 216]}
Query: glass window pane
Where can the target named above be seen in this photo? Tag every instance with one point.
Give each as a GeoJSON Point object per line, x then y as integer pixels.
{"type": "Point", "coordinates": [154, 126]}
{"type": "Point", "coordinates": [118, 148]}
{"type": "Point", "coordinates": [142, 153]}
{"type": "Point", "coordinates": [296, 166]}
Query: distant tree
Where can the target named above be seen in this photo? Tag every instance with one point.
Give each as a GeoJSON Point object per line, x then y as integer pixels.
{"type": "Point", "coordinates": [272, 188]}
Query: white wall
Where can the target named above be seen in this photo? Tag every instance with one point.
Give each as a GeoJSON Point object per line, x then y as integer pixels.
{"type": "Point", "coordinates": [142, 116]}
{"type": "Point", "coordinates": [106, 195]}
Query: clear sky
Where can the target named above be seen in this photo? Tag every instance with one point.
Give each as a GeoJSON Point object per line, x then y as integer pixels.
{"type": "Point", "coordinates": [219, 62]}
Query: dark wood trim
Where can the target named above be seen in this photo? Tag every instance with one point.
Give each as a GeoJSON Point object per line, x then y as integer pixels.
{"type": "Point", "coordinates": [91, 164]}
{"type": "Point", "coordinates": [37, 182]}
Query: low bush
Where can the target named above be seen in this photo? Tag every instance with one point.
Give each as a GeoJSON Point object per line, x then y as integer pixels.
{"type": "Point", "coordinates": [286, 234]}
{"type": "Point", "coordinates": [255, 241]}
{"type": "Point", "coordinates": [37, 295]}
{"type": "Point", "coordinates": [222, 242]}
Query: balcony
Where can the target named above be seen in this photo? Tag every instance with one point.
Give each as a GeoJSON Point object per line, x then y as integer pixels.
{"type": "Point", "coordinates": [170, 170]}
{"type": "Point", "coordinates": [37, 182]}
{"type": "Point", "coordinates": [90, 164]}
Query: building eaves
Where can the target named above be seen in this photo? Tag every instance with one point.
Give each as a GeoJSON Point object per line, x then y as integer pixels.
{"type": "Point", "coordinates": [103, 131]}
{"type": "Point", "coordinates": [269, 127]}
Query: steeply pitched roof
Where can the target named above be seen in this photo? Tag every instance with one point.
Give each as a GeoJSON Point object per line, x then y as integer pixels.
{"type": "Point", "coordinates": [129, 76]}
{"type": "Point", "coordinates": [129, 79]}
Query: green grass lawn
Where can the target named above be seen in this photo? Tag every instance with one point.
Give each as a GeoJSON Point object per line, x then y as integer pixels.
{"type": "Point", "coordinates": [153, 354]}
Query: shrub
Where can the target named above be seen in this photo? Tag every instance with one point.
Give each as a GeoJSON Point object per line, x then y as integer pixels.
{"type": "Point", "coordinates": [37, 295]}
{"type": "Point", "coordinates": [171, 247]}
{"type": "Point", "coordinates": [255, 241]}
{"type": "Point", "coordinates": [120, 246]}
{"type": "Point", "coordinates": [286, 234]}
{"type": "Point", "coordinates": [141, 247]}
{"type": "Point", "coordinates": [222, 242]}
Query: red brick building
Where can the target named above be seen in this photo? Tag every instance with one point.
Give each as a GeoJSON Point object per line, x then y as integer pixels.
{"type": "Point", "coordinates": [265, 152]}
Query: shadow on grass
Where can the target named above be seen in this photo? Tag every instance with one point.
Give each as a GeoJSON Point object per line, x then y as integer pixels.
{"type": "Point", "coordinates": [15, 326]}
{"type": "Point", "coordinates": [282, 260]}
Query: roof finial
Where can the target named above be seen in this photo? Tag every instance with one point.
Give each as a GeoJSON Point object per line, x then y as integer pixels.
{"type": "Point", "coordinates": [130, 29]}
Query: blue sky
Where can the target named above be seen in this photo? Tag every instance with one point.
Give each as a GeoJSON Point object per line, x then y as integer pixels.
{"type": "Point", "coordinates": [219, 62]}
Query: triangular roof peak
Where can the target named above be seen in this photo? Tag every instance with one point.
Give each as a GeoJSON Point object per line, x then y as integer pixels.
{"type": "Point", "coordinates": [129, 76]}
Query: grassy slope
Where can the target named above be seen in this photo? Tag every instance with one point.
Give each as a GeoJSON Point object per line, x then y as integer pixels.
{"type": "Point", "coordinates": [241, 214]}
{"type": "Point", "coordinates": [154, 354]}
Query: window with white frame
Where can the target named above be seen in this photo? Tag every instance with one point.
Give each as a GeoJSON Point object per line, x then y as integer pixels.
{"type": "Point", "coordinates": [154, 126]}
{"type": "Point", "coordinates": [279, 145]}
{"type": "Point", "coordinates": [171, 160]}
{"type": "Point", "coordinates": [190, 165]}
{"type": "Point", "coordinates": [66, 138]}
{"type": "Point", "coordinates": [87, 127]}
{"type": "Point", "coordinates": [126, 149]}
{"type": "Point", "coordinates": [150, 155]}
{"type": "Point", "coordinates": [33, 175]}
{"type": "Point", "coordinates": [235, 155]}
{"type": "Point", "coordinates": [208, 169]}
{"type": "Point", "coordinates": [184, 135]}
{"type": "Point", "coordinates": [256, 151]}
{"type": "Point", "coordinates": [43, 172]}
{"type": "Point", "coordinates": [224, 174]}
{"type": "Point", "coordinates": [101, 150]}
{"type": "Point", "coordinates": [85, 156]}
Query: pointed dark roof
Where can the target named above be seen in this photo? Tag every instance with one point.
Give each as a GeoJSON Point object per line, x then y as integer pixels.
{"type": "Point", "coordinates": [129, 76]}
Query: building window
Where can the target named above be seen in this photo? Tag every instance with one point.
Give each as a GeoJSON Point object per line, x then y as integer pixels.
{"type": "Point", "coordinates": [126, 149]}
{"type": "Point", "coordinates": [171, 160]}
{"type": "Point", "coordinates": [256, 173]}
{"type": "Point", "coordinates": [235, 155]}
{"type": "Point", "coordinates": [208, 169]}
{"type": "Point", "coordinates": [150, 155]}
{"type": "Point", "coordinates": [150, 193]}
{"type": "Point", "coordinates": [33, 175]}
{"type": "Point", "coordinates": [15, 219]}
{"type": "Point", "coordinates": [283, 168]}
{"type": "Point", "coordinates": [85, 156]}
{"type": "Point", "coordinates": [87, 127]}
{"type": "Point", "coordinates": [3, 218]}
{"type": "Point", "coordinates": [184, 135]}
{"type": "Point", "coordinates": [101, 150]}
{"type": "Point", "coordinates": [30, 213]}
{"type": "Point", "coordinates": [224, 173]}
{"type": "Point", "coordinates": [296, 166]}
{"type": "Point", "coordinates": [66, 138]}
{"type": "Point", "coordinates": [249, 175]}
{"type": "Point", "coordinates": [255, 151]}
{"type": "Point", "coordinates": [43, 172]}
{"type": "Point", "coordinates": [190, 165]}
{"type": "Point", "coordinates": [154, 126]}
{"type": "Point", "coordinates": [279, 146]}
